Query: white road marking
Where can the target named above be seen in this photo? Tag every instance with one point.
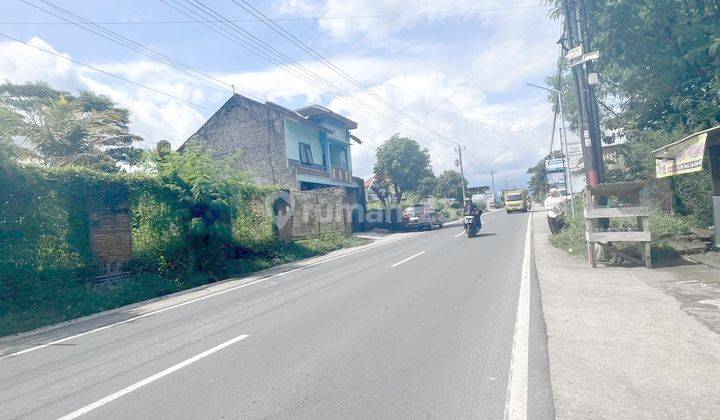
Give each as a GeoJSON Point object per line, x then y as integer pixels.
{"type": "Point", "coordinates": [407, 259]}
{"type": "Point", "coordinates": [460, 234]}
{"type": "Point", "coordinates": [137, 385]}
{"type": "Point", "coordinates": [158, 311]}
{"type": "Point", "coordinates": [517, 392]}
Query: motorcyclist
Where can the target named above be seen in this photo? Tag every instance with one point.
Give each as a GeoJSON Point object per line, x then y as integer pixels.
{"type": "Point", "coordinates": [471, 209]}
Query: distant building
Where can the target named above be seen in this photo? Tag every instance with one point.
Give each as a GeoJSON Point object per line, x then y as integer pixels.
{"type": "Point", "coordinates": [370, 195]}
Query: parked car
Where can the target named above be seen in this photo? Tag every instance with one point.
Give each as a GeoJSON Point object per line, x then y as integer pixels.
{"type": "Point", "coordinates": [420, 216]}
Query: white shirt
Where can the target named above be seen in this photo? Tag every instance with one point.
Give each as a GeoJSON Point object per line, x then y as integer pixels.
{"type": "Point", "coordinates": [555, 205]}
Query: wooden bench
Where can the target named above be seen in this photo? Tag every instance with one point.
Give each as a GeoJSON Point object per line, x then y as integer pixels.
{"type": "Point", "coordinates": [632, 193]}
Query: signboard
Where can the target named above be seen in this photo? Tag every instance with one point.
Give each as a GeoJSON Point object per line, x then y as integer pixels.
{"type": "Point", "coordinates": [574, 53]}
{"type": "Point", "coordinates": [682, 157]}
{"type": "Point", "coordinates": [584, 58]}
{"type": "Point", "coordinates": [555, 165]}
{"type": "Point", "coordinates": [555, 179]}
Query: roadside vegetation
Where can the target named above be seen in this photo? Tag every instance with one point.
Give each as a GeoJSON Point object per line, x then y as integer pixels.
{"type": "Point", "coordinates": [194, 219]}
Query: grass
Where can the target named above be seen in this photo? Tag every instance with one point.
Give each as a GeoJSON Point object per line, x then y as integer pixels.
{"type": "Point", "coordinates": [79, 299]}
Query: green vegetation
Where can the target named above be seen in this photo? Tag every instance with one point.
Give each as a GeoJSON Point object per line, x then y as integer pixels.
{"type": "Point", "coordinates": [401, 165]}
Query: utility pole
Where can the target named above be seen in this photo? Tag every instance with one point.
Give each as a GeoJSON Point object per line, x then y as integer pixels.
{"type": "Point", "coordinates": [462, 173]}
{"type": "Point", "coordinates": [492, 180]}
{"type": "Point", "coordinates": [577, 35]}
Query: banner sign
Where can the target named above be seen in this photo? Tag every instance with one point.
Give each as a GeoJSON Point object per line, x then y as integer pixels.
{"type": "Point", "coordinates": [555, 165]}
{"type": "Point", "coordinates": [555, 179]}
{"type": "Point", "coordinates": [682, 157]}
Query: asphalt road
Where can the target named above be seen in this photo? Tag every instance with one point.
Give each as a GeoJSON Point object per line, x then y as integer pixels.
{"type": "Point", "coordinates": [424, 326]}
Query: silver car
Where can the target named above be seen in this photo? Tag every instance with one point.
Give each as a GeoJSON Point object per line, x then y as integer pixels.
{"type": "Point", "coordinates": [419, 216]}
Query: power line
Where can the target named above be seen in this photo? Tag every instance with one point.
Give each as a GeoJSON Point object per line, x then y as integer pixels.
{"type": "Point", "coordinates": [329, 64]}
{"type": "Point", "coordinates": [262, 49]}
{"type": "Point", "coordinates": [461, 14]}
{"type": "Point", "coordinates": [309, 50]}
{"type": "Point", "coordinates": [106, 72]}
{"type": "Point", "coordinates": [131, 44]}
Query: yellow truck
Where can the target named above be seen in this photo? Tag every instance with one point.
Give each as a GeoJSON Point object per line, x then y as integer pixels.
{"type": "Point", "coordinates": [516, 200]}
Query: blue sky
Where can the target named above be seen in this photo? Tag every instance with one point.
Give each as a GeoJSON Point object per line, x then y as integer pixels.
{"type": "Point", "coordinates": [418, 55]}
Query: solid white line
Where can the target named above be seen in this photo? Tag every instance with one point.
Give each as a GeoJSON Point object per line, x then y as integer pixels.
{"type": "Point", "coordinates": [407, 259]}
{"type": "Point", "coordinates": [459, 234]}
{"type": "Point", "coordinates": [517, 392]}
{"type": "Point", "coordinates": [137, 385]}
{"type": "Point", "coordinates": [158, 311]}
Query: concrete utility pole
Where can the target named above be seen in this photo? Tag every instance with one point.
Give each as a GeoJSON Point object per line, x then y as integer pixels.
{"type": "Point", "coordinates": [492, 180]}
{"type": "Point", "coordinates": [462, 173]}
{"type": "Point", "coordinates": [576, 38]}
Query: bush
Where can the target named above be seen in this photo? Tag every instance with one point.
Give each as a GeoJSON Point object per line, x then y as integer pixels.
{"type": "Point", "coordinates": [572, 237]}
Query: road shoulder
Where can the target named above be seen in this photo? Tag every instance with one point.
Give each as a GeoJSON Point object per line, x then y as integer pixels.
{"type": "Point", "coordinates": [11, 344]}
{"type": "Point", "coordinates": [618, 347]}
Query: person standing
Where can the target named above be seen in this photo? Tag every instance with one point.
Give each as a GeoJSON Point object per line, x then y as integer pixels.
{"type": "Point", "coordinates": [556, 207]}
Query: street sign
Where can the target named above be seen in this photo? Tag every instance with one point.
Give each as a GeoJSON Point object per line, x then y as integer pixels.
{"type": "Point", "coordinates": [584, 58]}
{"type": "Point", "coordinates": [555, 165]}
{"type": "Point", "coordinates": [556, 179]}
{"type": "Point", "coordinates": [574, 53]}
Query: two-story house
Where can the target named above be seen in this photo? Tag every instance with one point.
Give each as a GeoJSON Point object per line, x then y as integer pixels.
{"type": "Point", "coordinates": [304, 149]}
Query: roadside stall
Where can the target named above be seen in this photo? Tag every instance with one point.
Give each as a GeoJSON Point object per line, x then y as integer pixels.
{"type": "Point", "coordinates": [689, 155]}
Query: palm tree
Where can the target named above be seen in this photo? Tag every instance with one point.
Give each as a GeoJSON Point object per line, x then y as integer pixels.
{"type": "Point", "coordinates": [58, 129]}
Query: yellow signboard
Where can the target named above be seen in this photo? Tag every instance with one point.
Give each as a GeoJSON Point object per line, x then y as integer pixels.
{"type": "Point", "coordinates": [681, 157]}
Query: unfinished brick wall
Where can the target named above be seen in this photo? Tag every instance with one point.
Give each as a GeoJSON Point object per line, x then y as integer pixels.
{"type": "Point", "coordinates": [319, 212]}
{"type": "Point", "coordinates": [110, 231]}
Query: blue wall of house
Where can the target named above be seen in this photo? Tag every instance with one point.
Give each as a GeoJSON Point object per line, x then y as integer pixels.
{"type": "Point", "coordinates": [296, 133]}
{"type": "Point", "coordinates": [339, 130]}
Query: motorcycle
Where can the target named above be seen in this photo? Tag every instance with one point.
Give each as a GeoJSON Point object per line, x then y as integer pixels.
{"type": "Point", "coordinates": [471, 222]}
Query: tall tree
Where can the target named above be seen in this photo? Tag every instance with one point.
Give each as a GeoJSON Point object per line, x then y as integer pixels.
{"type": "Point", "coordinates": [57, 128]}
{"type": "Point", "coordinates": [450, 185]}
{"type": "Point", "coordinates": [403, 163]}
{"type": "Point", "coordinates": [427, 185]}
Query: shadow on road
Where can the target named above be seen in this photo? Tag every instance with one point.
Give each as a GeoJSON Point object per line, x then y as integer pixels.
{"type": "Point", "coordinates": [482, 235]}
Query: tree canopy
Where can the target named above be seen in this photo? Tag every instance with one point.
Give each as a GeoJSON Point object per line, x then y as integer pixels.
{"type": "Point", "coordinates": [402, 163]}
{"type": "Point", "coordinates": [57, 128]}
{"type": "Point", "coordinates": [450, 185]}
{"type": "Point", "coordinates": [659, 63]}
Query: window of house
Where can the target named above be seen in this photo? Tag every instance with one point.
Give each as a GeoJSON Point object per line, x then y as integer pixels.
{"type": "Point", "coordinates": [306, 154]}
{"type": "Point", "coordinates": [338, 157]}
